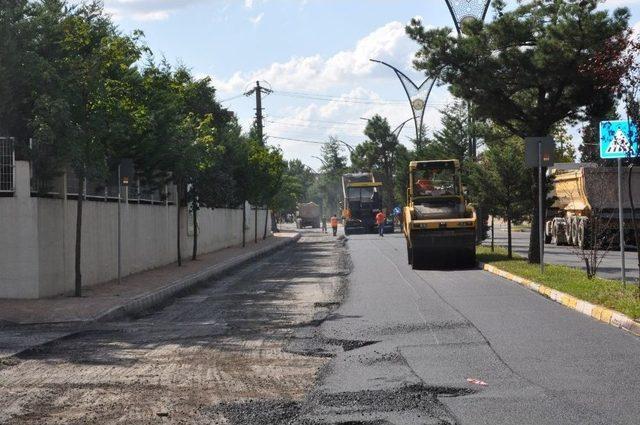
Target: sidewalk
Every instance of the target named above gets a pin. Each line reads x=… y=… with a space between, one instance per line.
x=137 y=292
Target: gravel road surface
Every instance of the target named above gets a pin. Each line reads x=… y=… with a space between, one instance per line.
x=222 y=343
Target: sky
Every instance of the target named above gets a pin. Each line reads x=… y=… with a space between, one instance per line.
x=313 y=54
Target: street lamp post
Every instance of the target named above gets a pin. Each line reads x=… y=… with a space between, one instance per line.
x=418 y=95
x=461 y=12
x=349 y=147
x=321 y=160
x=465 y=10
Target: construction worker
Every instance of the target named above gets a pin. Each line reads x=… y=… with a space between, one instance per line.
x=334 y=224
x=380 y=219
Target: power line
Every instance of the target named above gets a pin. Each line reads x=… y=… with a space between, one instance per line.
x=308 y=125
x=315 y=142
x=359 y=124
x=232 y=98
x=328 y=98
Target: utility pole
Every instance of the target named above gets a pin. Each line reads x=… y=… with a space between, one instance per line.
x=259 y=90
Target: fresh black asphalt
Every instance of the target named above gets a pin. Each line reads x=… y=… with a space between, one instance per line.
x=429 y=331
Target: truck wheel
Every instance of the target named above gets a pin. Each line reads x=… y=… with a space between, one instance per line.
x=560 y=229
x=547 y=238
x=574 y=231
x=569 y=232
x=583 y=236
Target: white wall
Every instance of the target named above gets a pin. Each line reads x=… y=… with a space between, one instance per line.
x=37 y=239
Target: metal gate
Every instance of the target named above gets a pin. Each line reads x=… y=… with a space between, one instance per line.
x=7 y=166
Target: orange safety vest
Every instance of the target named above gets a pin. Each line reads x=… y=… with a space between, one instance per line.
x=380 y=218
x=334 y=222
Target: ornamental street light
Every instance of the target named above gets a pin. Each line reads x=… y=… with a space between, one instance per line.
x=465 y=10
x=349 y=147
x=398 y=129
x=418 y=95
x=324 y=163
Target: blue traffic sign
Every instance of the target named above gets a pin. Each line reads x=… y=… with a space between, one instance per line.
x=618 y=139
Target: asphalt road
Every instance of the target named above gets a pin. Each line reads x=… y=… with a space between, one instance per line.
x=610 y=267
x=429 y=331
x=335 y=332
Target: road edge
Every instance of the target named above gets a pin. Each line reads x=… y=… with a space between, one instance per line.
x=602 y=314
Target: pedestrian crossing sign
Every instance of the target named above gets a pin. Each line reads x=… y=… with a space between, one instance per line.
x=618 y=139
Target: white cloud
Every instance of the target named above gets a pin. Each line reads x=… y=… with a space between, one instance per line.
x=621 y=3
x=355 y=86
x=248 y=4
x=388 y=43
x=144 y=10
x=255 y=20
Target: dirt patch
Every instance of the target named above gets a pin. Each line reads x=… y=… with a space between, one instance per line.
x=172 y=365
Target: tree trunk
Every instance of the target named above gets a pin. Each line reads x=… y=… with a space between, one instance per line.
x=195 y=230
x=509 y=246
x=179 y=197
x=244 y=223
x=493 y=247
x=266 y=220
x=534 y=238
x=78 y=265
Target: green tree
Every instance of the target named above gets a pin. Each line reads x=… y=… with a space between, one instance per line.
x=330 y=181
x=307 y=178
x=16 y=52
x=524 y=70
x=501 y=183
x=452 y=140
x=77 y=114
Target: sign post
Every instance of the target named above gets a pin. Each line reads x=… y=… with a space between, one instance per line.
x=539 y=152
x=621 y=223
x=619 y=140
x=125 y=171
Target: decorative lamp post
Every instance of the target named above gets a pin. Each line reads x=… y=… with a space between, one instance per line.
x=418 y=96
x=461 y=12
x=465 y=10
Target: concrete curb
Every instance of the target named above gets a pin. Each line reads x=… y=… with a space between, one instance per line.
x=150 y=300
x=597 y=312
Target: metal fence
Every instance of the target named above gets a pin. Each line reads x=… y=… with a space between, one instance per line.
x=7 y=166
x=135 y=193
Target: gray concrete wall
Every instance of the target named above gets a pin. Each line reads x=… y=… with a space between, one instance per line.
x=19 y=266
x=37 y=244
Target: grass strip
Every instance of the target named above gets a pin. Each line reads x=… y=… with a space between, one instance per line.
x=572 y=281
